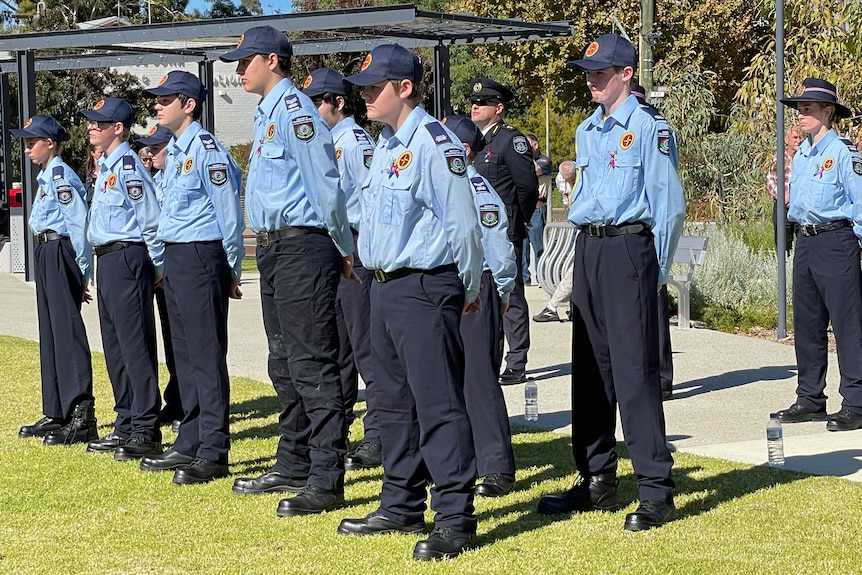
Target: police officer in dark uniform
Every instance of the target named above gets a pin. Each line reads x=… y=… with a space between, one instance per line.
x=664 y=345
x=629 y=208
x=507 y=162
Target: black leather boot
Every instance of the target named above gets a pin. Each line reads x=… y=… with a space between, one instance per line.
x=80 y=429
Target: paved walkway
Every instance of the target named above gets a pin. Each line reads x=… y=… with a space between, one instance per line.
x=725 y=385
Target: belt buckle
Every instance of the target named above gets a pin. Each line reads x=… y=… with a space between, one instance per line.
x=42 y=237
x=263 y=239
x=597 y=231
x=380 y=275
x=811 y=230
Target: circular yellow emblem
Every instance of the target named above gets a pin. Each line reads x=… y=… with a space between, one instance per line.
x=307 y=82
x=338 y=152
x=27 y=123
x=592 y=49
x=404 y=160
x=241 y=38
x=99 y=104
x=477 y=87
x=153 y=130
x=187 y=167
x=800 y=90
x=366 y=63
x=828 y=163
x=270 y=131
x=163 y=80
x=112 y=180
x=627 y=140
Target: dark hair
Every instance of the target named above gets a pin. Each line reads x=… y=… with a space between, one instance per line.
x=199 y=109
x=332 y=99
x=284 y=65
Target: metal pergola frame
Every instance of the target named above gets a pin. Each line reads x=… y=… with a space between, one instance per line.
x=322 y=32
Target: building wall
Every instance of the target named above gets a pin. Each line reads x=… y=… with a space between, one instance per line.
x=234 y=107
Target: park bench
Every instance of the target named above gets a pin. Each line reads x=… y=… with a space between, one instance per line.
x=559 y=256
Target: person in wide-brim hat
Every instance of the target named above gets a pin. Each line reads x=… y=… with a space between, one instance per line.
x=816 y=90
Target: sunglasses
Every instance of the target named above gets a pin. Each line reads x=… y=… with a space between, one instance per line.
x=483 y=102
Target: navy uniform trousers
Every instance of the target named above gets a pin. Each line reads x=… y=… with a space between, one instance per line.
x=827 y=284
x=664 y=346
x=127 y=319
x=419 y=370
x=615 y=360
x=64 y=353
x=172 y=408
x=482 y=334
x=299 y=278
x=516 y=322
x=197 y=281
x=353 y=312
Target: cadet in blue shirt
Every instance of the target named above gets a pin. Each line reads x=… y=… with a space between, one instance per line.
x=482 y=332
x=826 y=202
x=201 y=225
x=421 y=237
x=629 y=207
x=304 y=241
x=63 y=266
x=123 y=221
x=354 y=148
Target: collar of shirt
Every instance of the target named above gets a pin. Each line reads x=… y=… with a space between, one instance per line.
x=809 y=150
x=45 y=174
x=620 y=116
x=342 y=126
x=407 y=130
x=487 y=132
x=110 y=161
x=184 y=142
x=268 y=103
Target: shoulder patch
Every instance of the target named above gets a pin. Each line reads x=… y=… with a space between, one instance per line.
x=218 y=174
x=291 y=102
x=135 y=189
x=857 y=165
x=129 y=162
x=303 y=128
x=479 y=185
x=663 y=141
x=64 y=194
x=438 y=133
x=209 y=142
x=456 y=161
x=57 y=173
x=520 y=144
x=361 y=136
x=367 y=156
x=655 y=114
x=489 y=215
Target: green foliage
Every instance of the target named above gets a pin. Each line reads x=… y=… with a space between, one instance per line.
x=563 y=122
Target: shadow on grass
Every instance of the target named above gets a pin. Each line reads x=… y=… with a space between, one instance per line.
x=732 y=379
x=715 y=489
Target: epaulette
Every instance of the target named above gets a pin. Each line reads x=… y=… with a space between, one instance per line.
x=438 y=133
x=656 y=115
x=209 y=142
x=850 y=146
x=57 y=173
x=361 y=136
x=479 y=185
x=129 y=162
x=508 y=127
x=291 y=102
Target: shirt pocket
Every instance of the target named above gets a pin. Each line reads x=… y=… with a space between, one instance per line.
x=189 y=190
x=272 y=167
x=394 y=201
x=625 y=176
x=115 y=215
x=828 y=190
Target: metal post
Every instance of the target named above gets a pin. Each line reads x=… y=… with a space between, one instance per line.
x=780 y=239
x=6 y=147
x=205 y=71
x=442 y=82
x=27 y=108
x=645 y=43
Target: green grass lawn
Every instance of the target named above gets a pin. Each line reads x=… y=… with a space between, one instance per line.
x=64 y=511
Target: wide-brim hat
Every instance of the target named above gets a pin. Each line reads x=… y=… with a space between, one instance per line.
x=816 y=90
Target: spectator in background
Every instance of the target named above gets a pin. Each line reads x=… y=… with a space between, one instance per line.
x=91 y=170
x=536 y=227
x=563 y=294
x=792 y=139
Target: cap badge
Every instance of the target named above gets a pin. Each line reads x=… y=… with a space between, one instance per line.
x=591 y=50
x=153 y=130
x=239 y=42
x=99 y=104
x=477 y=87
x=800 y=90
x=366 y=63
x=307 y=82
x=163 y=80
x=27 y=123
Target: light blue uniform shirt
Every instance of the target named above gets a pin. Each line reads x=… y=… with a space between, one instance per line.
x=417 y=207
x=826 y=183
x=125 y=208
x=626 y=174
x=499 y=251
x=353 y=150
x=292 y=174
x=60 y=205
x=200 y=198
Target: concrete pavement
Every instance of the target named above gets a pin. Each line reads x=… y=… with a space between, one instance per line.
x=725 y=385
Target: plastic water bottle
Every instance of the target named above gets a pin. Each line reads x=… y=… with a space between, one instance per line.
x=531 y=401
x=775 y=441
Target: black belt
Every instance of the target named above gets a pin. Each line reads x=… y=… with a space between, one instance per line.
x=50 y=235
x=611 y=231
x=383 y=277
x=114 y=246
x=264 y=239
x=814 y=229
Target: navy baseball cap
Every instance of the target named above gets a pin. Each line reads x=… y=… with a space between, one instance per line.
x=325 y=81
x=259 y=40
x=158 y=135
x=388 y=62
x=42 y=127
x=606 y=51
x=466 y=130
x=816 y=90
x=179 y=82
x=111 y=110
x=486 y=88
